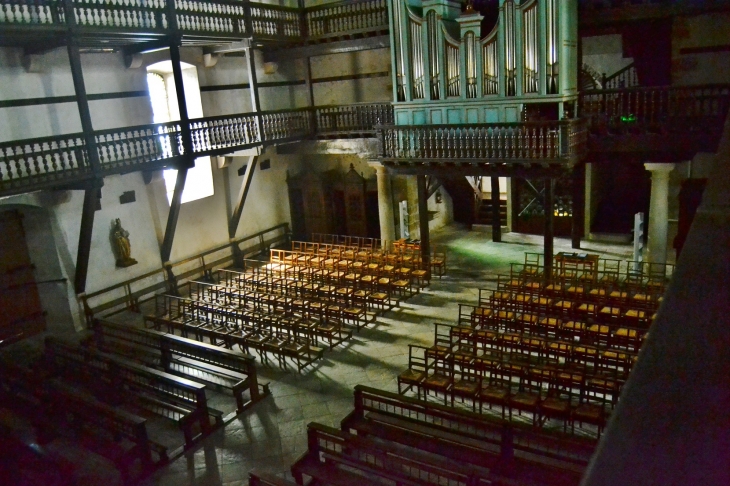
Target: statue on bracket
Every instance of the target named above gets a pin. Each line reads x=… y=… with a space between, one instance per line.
x=121 y=246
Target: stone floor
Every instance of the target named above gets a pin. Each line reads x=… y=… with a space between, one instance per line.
x=272 y=435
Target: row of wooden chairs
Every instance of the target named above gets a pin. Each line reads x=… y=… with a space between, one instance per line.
x=346 y=240
x=336 y=257
x=614 y=311
x=466 y=345
x=629 y=275
x=546 y=391
x=223 y=326
x=486 y=321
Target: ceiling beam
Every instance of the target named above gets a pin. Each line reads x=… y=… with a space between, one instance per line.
x=337 y=47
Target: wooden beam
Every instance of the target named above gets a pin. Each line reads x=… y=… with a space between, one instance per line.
x=433 y=186
x=549 y=203
x=238 y=210
x=423 y=221
x=253 y=82
x=92 y=195
x=327 y=48
x=484 y=170
x=172 y=217
x=187 y=162
x=496 y=219
x=82 y=101
x=308 y=80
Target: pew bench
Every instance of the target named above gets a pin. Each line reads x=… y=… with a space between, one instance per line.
x=113 y=379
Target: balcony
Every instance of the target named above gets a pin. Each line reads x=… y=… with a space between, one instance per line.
x=656 y=123
x=499 y=149
x=63 y=160
x=112 y=23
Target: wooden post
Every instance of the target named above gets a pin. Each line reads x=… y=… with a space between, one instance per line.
x=496 y=219
x=238 y=211
x=91 y=198
x=188 y=159
x=423 y=221
x=548 y=242
x=92 y=193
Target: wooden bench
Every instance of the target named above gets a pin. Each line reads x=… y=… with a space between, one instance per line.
x=339 y=458
x=256 y=478
x=215 y=365
x=512 y=447
x=113 y=379
x=54 y=407
x=200 y=361
x=110 y=427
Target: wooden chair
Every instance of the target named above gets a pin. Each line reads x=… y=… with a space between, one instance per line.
x=438 y=263
x=415 y=374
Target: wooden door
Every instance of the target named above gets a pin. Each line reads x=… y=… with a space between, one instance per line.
x=22 y=314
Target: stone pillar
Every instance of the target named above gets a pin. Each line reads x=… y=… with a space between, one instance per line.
x=658 y=212
x=385 y=205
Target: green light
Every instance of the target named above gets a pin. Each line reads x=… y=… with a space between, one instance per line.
x=628 y=118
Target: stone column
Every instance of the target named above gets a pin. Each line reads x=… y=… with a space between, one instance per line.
x=658 y=212
x=385 y=205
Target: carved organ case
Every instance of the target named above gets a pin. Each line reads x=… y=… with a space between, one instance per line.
x=457 y=67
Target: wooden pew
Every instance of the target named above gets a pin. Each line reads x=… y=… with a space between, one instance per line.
x=113 y=379
x=256 y=478
x=333 y=456
x=109 y=427
x=53 y=407
x=507 y=447
x=198 y=360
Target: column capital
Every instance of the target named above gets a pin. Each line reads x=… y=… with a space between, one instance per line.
x=658 y=167
x=377 y=165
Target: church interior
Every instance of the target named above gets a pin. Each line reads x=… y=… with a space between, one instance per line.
x=377 y=242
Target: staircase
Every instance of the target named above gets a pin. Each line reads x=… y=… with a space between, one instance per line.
x=484 y=212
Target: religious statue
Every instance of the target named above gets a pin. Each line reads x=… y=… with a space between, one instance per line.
x=120 y=243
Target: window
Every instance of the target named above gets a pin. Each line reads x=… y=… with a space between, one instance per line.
x=161 y=84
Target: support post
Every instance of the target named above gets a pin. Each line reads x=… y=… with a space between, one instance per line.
x=549 y=204
x=308 y=80
x=423 y=221
x=658 y=212
x=496 y=219
x=91 y=199
x=238 y=211
x=92 y=193
x=254 y=90
x=188 y=159
x=385 y=206
x=579 y=192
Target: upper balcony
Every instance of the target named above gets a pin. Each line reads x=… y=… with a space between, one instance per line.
x=63 y=161
x=114 y=23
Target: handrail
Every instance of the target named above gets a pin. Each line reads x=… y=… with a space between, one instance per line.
x=627 y=75
x=50 y=161
x=545 y=140
x=658 y=109
x=210 y=18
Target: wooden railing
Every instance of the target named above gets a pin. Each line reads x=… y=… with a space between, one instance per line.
x=357 y=118
x=623 y=78
x=661 y=109
x=351 y=17
x=518 y=142
x=42 y=160
x=210 y=18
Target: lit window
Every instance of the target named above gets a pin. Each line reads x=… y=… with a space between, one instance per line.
x=199 y=181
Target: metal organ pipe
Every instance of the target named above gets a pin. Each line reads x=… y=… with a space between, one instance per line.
x=432 y=33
